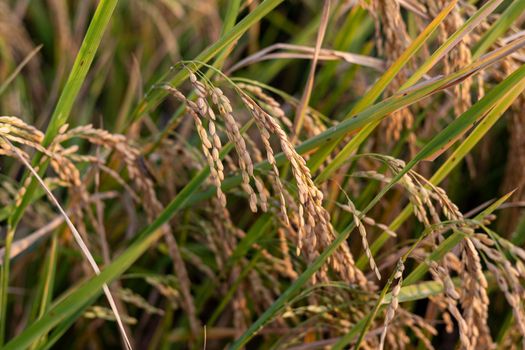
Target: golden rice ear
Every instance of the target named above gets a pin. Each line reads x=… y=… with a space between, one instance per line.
x=78 y=239
x=315 y=231
x=392 y=40
x=394 y=302
x=350 y=208
x=211 y=143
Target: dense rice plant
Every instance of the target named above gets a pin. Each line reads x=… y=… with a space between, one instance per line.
x=262 y=174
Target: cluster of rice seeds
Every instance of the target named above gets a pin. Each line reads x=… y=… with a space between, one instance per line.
x=507 y=275
x=134 y=163
x=439 y=301
x=474 y=298
x=459 y=57
x=262 y=191
x=452 y=296
x=268 y=103
x=312 y=126
x=289 y=217
x=130 y=156
x=128 y=296
x=418 y=325
x=276 y=265
x=61 y=159
x=275 y=178
x=418 y=195
x=103 y=313
x=350 y=208
x=282 y=266
x=116 y=176
x=62 y=163
x=394 y=303
x=16 y=130
x=167 y=286
x=229 y=232
x=513 y=293
x=222 y=242
x=288 y=228
x=518 y=253
x=315 y=231
x=245 y=163
x=389 y=21
x=224 y=106
x=369 y=221
x=23 y=189
x=210 y=148
x=308 y=194
x=421 y=193
x=203 y=108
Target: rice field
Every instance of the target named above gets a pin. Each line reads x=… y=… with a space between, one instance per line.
x=262 y=174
